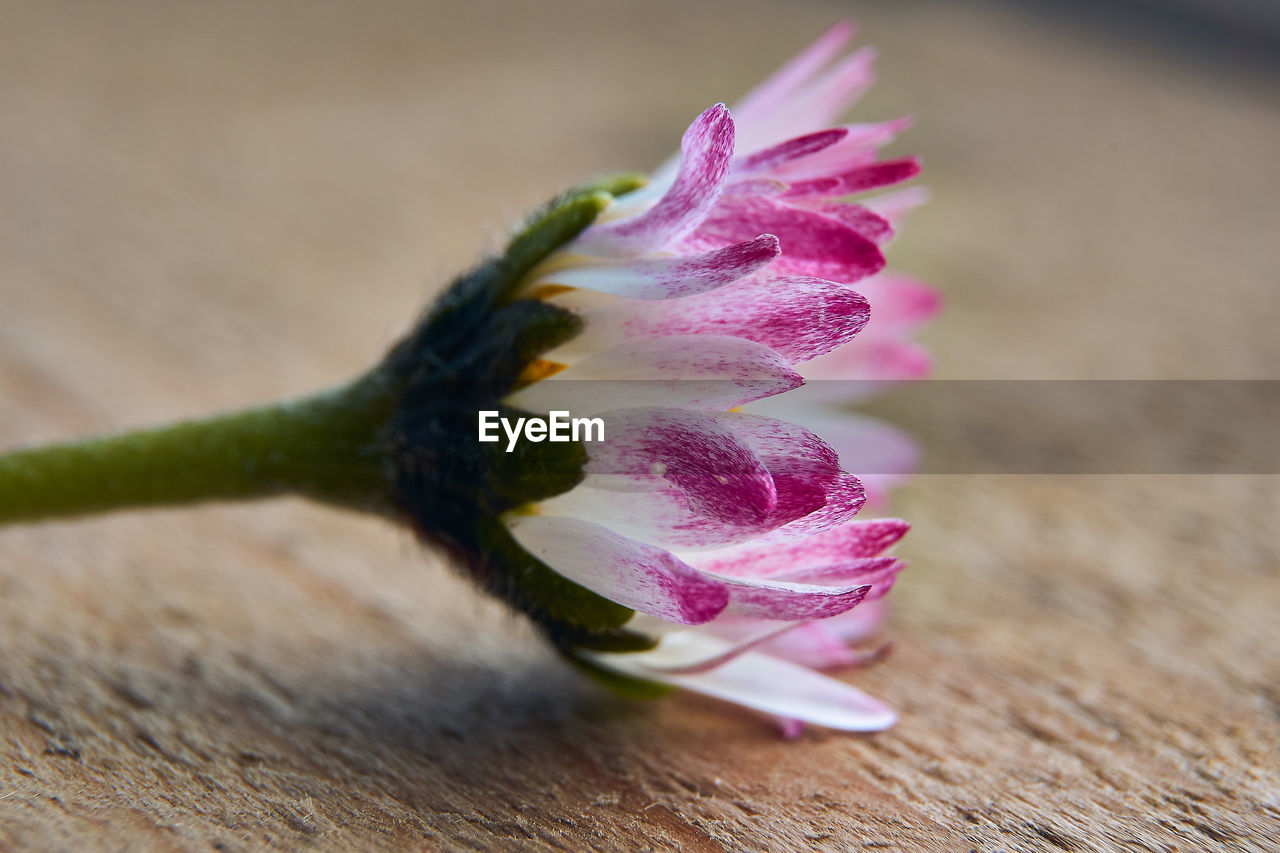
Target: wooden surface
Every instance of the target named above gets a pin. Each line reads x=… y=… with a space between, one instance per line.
x=208 y=205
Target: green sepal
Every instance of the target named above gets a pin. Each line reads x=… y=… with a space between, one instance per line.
x=623 y=685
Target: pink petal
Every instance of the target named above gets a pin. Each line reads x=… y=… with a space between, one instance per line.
x=774 y=156
x=858 y=148
x=798 y=317
x=707 y=150
x=812 y=244
x=862 y=219
x=815 y=106
x=861 y=179
x=709 y=372
x=783 y=84
x=845 y=496
x=655 y=449
x=770 y=685
x=665 y=278
x=631 y=573
x=853 y=541
x=789 y=600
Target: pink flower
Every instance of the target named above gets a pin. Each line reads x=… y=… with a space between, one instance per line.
x=718 y=285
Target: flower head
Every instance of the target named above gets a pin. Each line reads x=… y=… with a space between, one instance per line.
x=664 y=309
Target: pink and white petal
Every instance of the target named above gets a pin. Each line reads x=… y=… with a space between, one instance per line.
x=845 y=497
x=805 y=469
x=788 y=600
x=861 y=179
x=876 y=574
x=799 y=317
x=771 y=685
x=757 y=107
x=707 y=372
x=669 y=277
x=662 y=448
x=812 y=244
x=862 y=219
x=768 y=159
x=631 y=573
x=857 y=148
x=817 y=105
x=664 y=517
x=707 y=149
x=857 y=540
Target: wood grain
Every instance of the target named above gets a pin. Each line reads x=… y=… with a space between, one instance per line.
x=208 y=205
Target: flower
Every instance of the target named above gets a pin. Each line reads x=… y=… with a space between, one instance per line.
x=670 y=312
x=705 y=291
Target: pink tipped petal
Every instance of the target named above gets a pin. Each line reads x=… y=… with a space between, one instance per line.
x=860 y=570
x=858 y=148
x=707 y=149
x=798 y=317
x=857 y=540
x=770 y=685
x=707 y=372
x=665 y=517
x=795 y=148
x=845 y=496
x=719 y=473
x=770 y=95
x=631 y=573
x=837 y=90
x=862 y=219
x=665 y=278
x=812 y=244
x=869 y=177
x=787 y=600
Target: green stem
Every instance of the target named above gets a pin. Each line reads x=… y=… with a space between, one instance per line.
x=324 y=447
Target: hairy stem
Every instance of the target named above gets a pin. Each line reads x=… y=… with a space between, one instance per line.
x=324 y=447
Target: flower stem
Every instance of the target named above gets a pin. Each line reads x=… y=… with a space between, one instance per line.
x=325 y=447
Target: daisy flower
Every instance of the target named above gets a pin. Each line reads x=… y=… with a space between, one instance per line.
x=698 y=539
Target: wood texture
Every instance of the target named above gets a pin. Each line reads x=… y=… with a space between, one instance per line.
x=208 y=205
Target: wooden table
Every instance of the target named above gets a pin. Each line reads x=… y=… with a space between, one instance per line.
x=209 y=205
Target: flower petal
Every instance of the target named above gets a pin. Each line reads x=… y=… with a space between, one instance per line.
x=856 y=540
x=799 y=317
x=767 y=684
x=788 y=600
x=631 y=573
x=665 y=278
x=760 y=102
x=812 y=244
x=861 y=179
x=657 y=448
x=767 y=159
x=707 y=150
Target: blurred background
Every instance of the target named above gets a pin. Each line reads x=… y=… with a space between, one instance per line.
x=209 y=205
